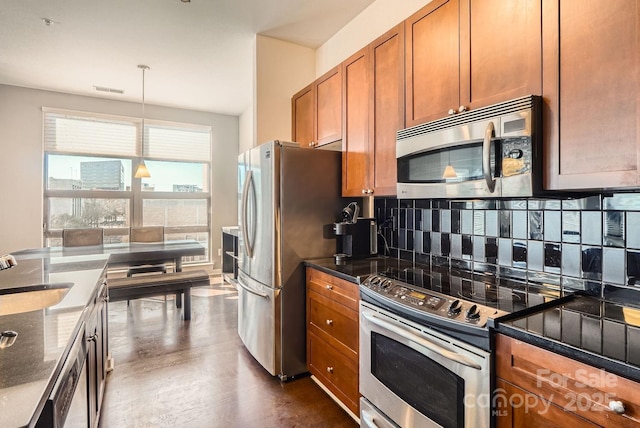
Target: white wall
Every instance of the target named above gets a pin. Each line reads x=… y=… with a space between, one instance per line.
x=374 y=21
x=21 y=166
x=282 y=69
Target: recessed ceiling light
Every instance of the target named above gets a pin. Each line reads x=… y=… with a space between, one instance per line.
x=48 y=22
x=111 y=90
x=185 y=1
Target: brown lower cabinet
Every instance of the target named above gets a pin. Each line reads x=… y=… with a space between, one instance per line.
x=332 y=336
x=539 y=388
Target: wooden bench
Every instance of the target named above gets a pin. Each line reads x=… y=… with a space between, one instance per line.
x=152 y=285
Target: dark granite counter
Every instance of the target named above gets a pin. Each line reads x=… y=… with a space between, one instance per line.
x=601 y=332
x=356 y=270
x=29 y=367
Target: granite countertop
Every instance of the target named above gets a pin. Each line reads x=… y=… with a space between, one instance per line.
x=603 y=332
x=29 y=368
x=356 y=270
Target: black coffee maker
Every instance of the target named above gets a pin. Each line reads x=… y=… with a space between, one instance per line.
x=356 y=236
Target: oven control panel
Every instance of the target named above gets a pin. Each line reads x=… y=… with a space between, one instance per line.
x=456 y=309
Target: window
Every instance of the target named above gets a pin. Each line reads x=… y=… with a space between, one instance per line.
x=89 y=162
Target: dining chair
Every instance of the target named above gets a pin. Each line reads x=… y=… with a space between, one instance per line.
x=147 y=234
x=82 y=237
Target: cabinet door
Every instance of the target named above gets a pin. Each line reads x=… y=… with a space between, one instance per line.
x=432 y=62
x=303 y=116
x=387 y=108
x=500 y=50
x=355 y=157
x=591 y=81
x=328 y=107
x=517 y=408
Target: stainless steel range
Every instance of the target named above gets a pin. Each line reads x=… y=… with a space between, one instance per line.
x=425 y=355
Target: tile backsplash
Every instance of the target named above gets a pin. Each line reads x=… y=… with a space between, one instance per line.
x=584 y=243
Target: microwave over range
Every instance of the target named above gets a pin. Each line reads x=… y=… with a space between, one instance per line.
x=490 y=152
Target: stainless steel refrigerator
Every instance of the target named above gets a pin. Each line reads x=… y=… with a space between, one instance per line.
x=287 y=197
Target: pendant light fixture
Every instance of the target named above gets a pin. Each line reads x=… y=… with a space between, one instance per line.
x=449 y=171
x=142 y=171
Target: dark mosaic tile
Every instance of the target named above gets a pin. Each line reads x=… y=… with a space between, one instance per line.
x=505 y=223
x=613 y=233
x=406 y=255
x=455 y=221
x=410 y=219
x=591 y=227
x=405 y=203
x=519 y=253
x=442 y=204
x=418 y=219
x=613 y=334
x=633 y=268
x=462 y=205
x=402 y=239
x=422 y=258
x=402 y=221
x=491 y=250
x=445 y=244
x=422 y=203
x=552 y=258
x=535 y=225
x=571 y=226
x=426 y=242
x=592 y=263
x=435 y=220
x=461 y=264
x=467 y=245
x=552 y=226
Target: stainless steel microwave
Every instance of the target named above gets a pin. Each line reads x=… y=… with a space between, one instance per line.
x=490 y=152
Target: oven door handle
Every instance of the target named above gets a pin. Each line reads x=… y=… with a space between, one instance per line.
x=486 y=157
x=401 y=331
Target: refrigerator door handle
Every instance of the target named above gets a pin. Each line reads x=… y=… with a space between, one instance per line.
x=252 y=291
x=245 y=229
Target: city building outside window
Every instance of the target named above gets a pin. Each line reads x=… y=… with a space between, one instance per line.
x=89 y=165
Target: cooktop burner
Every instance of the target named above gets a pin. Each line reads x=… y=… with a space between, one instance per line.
x=457 y=301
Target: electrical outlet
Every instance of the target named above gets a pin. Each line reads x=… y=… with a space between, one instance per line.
x=219 y=252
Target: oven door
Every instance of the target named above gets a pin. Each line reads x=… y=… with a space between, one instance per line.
x=421 y=378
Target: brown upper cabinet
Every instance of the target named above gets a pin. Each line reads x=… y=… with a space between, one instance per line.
x=464 y=54
x=373 y=111
x=591 y=88
x=317 y=111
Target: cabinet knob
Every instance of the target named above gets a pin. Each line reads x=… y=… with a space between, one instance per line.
x=617 y=407
x=329 y=287
x=312 y=144
x=364 y=191
x=329 y=322
x=329 y=369
x=452 y=111
x=462 y=109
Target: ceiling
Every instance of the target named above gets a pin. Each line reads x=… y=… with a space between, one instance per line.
x=200 y=53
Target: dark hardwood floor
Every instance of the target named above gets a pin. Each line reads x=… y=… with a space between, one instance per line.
x=198 y=374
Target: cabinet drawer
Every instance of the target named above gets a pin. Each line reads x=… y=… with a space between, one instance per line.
x=337 y=371
x=345 y=292
x=334 y=319
x=576 y=387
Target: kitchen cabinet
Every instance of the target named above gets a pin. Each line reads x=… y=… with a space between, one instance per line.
x=332 y=336
x=464 y=54
x=591 y=85
x=96 y=335
x=536 y=387
x=317 y=111
x=373 y=111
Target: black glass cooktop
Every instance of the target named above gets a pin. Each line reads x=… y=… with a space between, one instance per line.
x=505 y=294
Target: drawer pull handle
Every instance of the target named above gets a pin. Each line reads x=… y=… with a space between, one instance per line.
x=617 y=407
x=329 y=369
x=329 y=287
x=329 y=322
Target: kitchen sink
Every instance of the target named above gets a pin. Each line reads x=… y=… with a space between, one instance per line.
x=32 y=298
